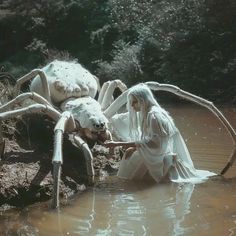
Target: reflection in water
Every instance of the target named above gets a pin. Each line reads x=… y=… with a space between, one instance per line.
x=182 y=208
x=131 y=209
x=121 y=208
x=85 y=224
x=118 y=207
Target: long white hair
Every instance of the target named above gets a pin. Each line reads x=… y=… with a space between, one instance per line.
x=138 y=120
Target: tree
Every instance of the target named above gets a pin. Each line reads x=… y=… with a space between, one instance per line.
x=182 y=42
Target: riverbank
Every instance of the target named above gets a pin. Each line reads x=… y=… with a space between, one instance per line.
x=26 y=166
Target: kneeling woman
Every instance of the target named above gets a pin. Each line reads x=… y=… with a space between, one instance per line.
x=156 y=144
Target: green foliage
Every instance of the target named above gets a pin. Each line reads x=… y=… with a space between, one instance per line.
x=40 y=27
x=124 y=66
x=188 y=43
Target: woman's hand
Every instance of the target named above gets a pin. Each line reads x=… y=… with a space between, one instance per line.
x=129 y=152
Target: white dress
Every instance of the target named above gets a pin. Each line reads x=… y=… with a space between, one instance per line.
x=162 y=152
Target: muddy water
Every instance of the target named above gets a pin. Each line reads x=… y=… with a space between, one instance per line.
x=117 y=207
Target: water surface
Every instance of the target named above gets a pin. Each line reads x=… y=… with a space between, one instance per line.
x=118 y=207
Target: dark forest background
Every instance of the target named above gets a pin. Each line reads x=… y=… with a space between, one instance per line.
x=188 y=43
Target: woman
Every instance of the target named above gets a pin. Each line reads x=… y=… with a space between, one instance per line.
x=156 y=145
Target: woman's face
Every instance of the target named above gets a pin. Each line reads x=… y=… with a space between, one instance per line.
x=135 y=103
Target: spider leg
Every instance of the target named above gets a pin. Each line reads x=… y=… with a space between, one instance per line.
x=4 y=114
x=202 y=102
x=35 y=108
x=116 y=105
x=102 y=92
x=21 y=98
x=64 y=121
x=57 y=160
x=88 y=156
x=30 y=76
x=106 y=95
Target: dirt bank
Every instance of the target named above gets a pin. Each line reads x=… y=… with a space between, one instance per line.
x=26 y=167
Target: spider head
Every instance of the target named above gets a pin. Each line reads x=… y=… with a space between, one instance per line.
x=88 y=114
x=93 y=122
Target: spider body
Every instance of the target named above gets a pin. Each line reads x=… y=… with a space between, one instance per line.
x=65 y=91
x=73 y=88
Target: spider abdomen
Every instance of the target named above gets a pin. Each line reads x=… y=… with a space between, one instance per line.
x=65 y=80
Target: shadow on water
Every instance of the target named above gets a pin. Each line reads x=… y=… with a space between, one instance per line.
x=118 y=207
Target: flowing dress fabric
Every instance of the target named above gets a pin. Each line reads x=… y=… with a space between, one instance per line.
x=162 y=152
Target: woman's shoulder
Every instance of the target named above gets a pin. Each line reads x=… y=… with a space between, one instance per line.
x=156 y=111
x=160 y=116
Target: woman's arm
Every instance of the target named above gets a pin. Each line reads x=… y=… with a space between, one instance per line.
x=112 y=144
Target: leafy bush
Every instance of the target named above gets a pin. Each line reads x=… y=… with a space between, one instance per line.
x=188 y=43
